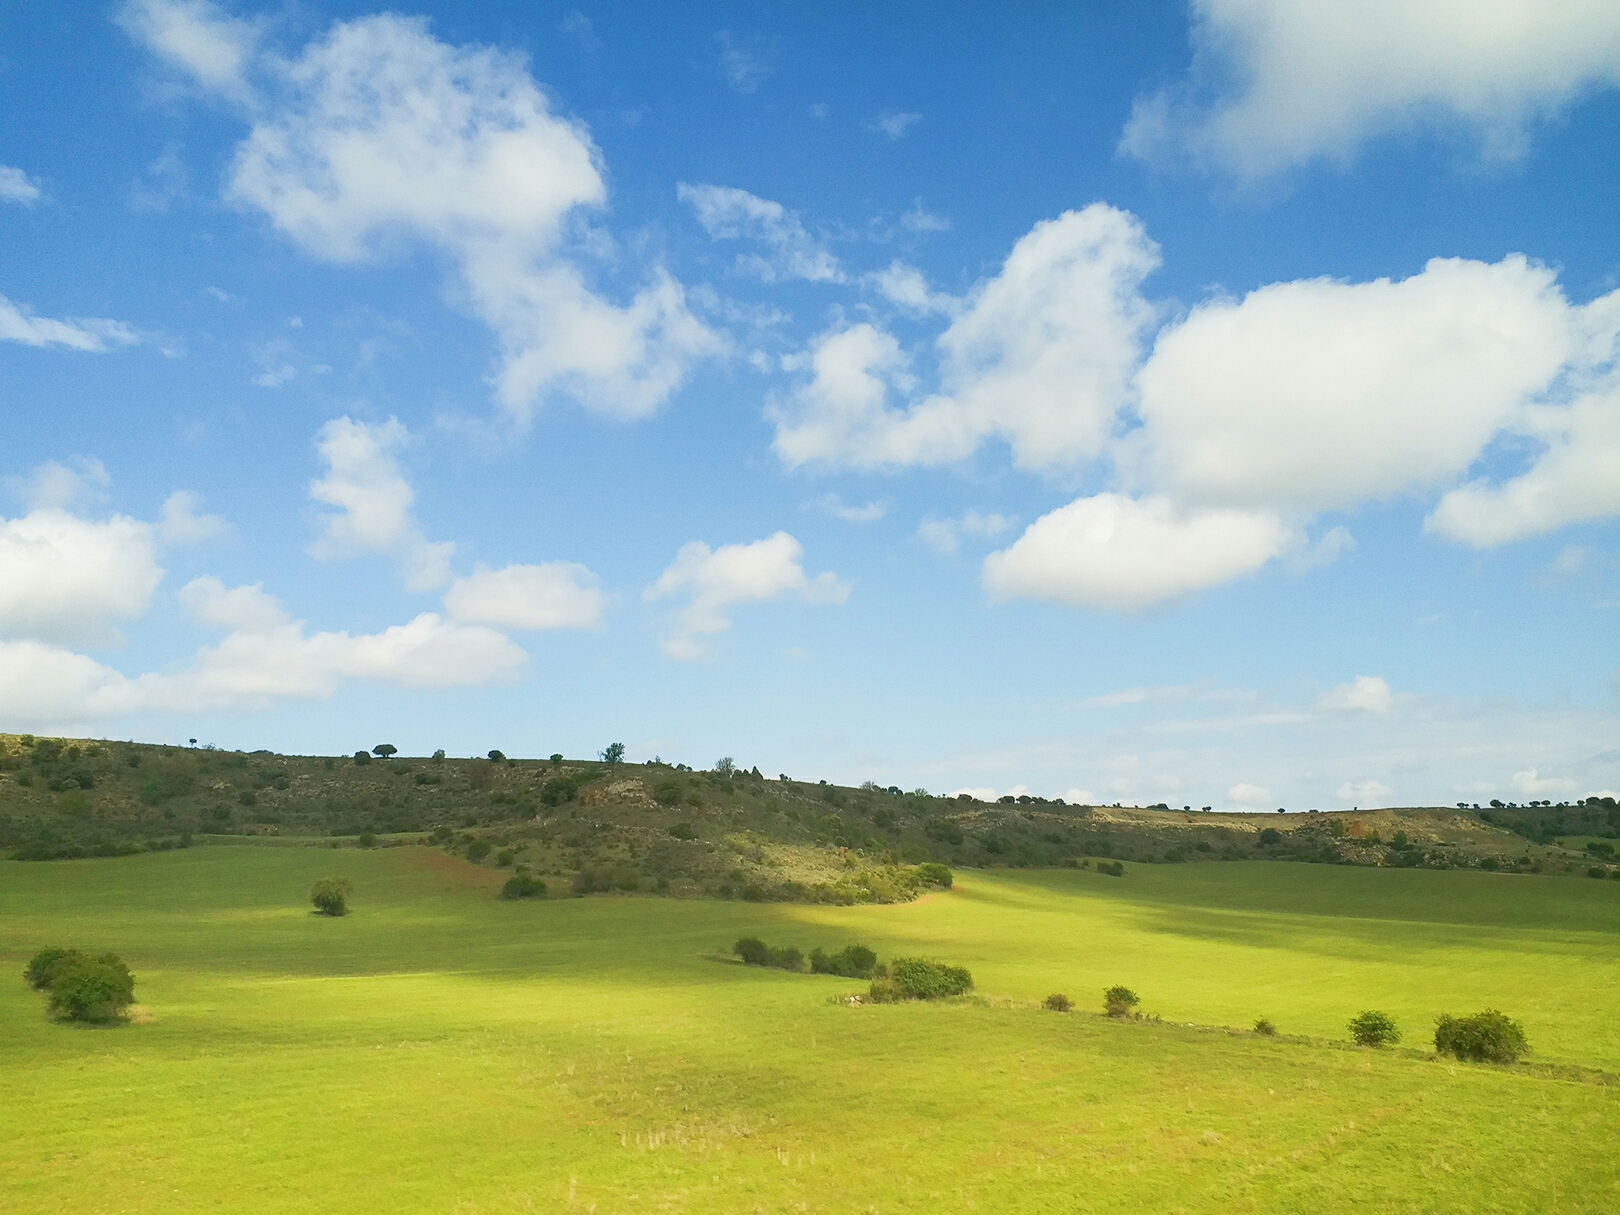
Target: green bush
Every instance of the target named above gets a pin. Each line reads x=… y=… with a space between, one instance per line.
x=367 y=839
x=37 y=973
x=932 y=873
x=851 y=962
x=1058 y=1002
x=1487 y=1037
x=684 y=831
x=754 y=952
x=667 y=793
x=331 y=896
x=1374 y=1029
x=362 y=757
x=477 y=850
x=1119 y=1000
x=1265 y=1028
x=522 y=886
x=90 y=989
x=1111 y=868
x=921 y=979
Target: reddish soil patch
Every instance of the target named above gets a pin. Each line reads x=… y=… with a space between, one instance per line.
x=431 y=860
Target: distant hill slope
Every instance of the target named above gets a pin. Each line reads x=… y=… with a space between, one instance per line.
x=587 y=825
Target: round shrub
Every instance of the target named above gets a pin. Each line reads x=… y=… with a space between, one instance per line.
x=1374 y=1029
x=684 y=831
x=1487 y=1037
x=850 y=962
x=932 y=873
x=331 y=896
x=522 y=886
x=921 y=979
x=1265 y=1028
x=753 y=951
x=37 y=974
x=1119 y=1000
x=1058 y=1002
x=90 y=989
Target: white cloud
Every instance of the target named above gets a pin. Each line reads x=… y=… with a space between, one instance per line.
x=197 y=37
x=1277 y=83
x=944 y=535
x=1116 y=552
x=727 y=213
x=1080 y=797
x=1571 y=559
x=263 y=659
x=905 y=285
x=578 y=25
x=920 y=220
x=1041 y=355
x=379 y=132
x=95 y=335
x=835 y=506
x=69 y=579
x=894 y=123
x=17 y=187
x=181 y=524
x=1363 y=694
x=718 y=579
x=555 y=595
x=1367 y=794
x=364 y=481
x=1245 y=794
x=744 y=65
x=54 y=485
x=1532 y=784
x=1320 y=394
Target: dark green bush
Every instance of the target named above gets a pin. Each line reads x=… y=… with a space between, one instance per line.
x=560 y=789
x=1373 y=1028
x=522 y=886
x=1058 y=1002
x=754 y=952
x=362 y=757
x=331 y=896
x=1111 y=868
x=684 y=831
x=1119 y=1000
x=667 y=792
x=1487 y=1037
x=367 y=839
x=1265 y=1028
x=505 y=857
x=850 y=962
x=932 y=873
x=1270 y=836
x=90 y=989
x=477 y=850
x=921 y=979
x=37 y=973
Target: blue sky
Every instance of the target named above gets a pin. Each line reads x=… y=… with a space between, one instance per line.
x=1216 y=406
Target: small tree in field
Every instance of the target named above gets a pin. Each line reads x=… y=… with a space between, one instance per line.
x=331 y=896
x=1487 y=1037
x=384 y=750
x=91 y=989
x=1058 y=1002
x=614 y=754
x=1374 y=1029
x=1119 y=1000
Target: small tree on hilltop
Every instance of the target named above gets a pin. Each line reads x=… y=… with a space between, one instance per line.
x=384 y=750
x=1374 y=1028
x=614 y=754
x=724 y=766
x=331 y=896
x=1119 y=1000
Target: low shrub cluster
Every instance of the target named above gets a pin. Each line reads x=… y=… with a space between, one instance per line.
x=1265 y=1028
x=1120 y=1001
x=522 y=886
x=1487 y=1037
x=1058 y=1002
x=850 y=962
x=1374 y=1028
x=754 y=952
x=1111 y=868
x=932 y=873
x=331 y=896
x=919 y=979
x=82 y=987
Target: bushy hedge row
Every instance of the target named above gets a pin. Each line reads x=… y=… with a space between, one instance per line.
x=1487 y=1037
x=754 y=952
x=522 y=886
x=919 y=979
x=81 y=987
x=850 y=962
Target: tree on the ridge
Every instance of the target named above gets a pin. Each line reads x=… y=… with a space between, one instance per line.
x=384 y=750
x=614 y=754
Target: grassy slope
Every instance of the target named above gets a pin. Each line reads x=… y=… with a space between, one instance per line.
x=441 y=1051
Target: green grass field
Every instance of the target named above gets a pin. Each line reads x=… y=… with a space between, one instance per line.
x=441 y=1051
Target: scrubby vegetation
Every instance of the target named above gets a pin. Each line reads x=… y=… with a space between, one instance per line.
x=523 y=886
x=754 y=952
x=1265 y=1028
x=919 y=979
x=1487 y=1037
x=1372 y=1028
x=1058 y=1002
x=331 y=896
x=81 y=987
x=1120 y=1001
x=601 y=827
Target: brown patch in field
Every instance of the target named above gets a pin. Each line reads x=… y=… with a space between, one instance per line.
x=138 y=1014
x=432 y=860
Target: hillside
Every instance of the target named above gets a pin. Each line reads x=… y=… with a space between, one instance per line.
x=584 y=825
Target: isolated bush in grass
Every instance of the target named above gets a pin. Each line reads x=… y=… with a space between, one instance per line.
x=1058 y=1002
x=851 y=962
x=754 y=952
x=1119 y=1000
x=1111 y=868
x=1487 y=1037
x=82 y=988
x=1373 y=1028
x=478 y=850
x=522 y=886
x=331 y=896
x=684 y=831
x=921 y=979
x=932 y=873
x=1265 y=1028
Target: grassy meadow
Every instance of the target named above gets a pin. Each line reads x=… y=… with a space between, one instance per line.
x=439 y=1050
